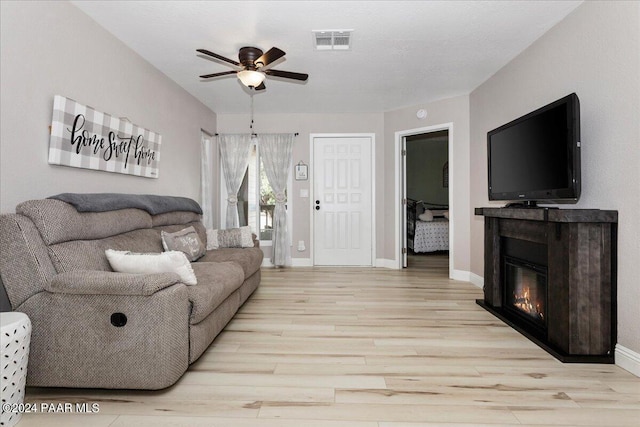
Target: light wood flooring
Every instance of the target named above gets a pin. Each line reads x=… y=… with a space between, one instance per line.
x=366 y=348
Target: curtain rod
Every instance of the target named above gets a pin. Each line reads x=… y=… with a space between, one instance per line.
x=255 y=134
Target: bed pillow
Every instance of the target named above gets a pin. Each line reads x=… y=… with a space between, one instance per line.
x=165 y=262
x=446 y=214
x=231 y=238
x=185 y=240
x=427 y=215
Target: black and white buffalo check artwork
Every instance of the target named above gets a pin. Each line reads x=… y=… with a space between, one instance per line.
x=82 y=137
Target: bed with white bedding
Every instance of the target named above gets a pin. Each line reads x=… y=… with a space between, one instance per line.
x=427 y=236
x=431 y=236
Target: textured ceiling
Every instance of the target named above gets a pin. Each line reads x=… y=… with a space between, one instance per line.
x=403 y=52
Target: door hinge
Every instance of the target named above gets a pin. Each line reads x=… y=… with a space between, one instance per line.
x=404 y=251
x=404 y=152
x=404 y=201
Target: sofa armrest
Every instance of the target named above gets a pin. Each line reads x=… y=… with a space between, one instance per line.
x=95 y=282
x=84 y=335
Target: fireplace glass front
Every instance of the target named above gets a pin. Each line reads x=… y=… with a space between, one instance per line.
x=526 y=290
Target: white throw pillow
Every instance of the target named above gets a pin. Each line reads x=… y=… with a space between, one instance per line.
x=165 y=262
x=446 y=214
x=427 y=215
x=231 y=238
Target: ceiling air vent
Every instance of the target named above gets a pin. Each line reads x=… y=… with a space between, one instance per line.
x=332 y=39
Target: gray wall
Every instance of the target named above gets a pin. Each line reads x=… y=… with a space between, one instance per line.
x=305 y=125
x=454 y=111
x=426 y=156
x=383 y=126
x=52 y=48
x=594 y=52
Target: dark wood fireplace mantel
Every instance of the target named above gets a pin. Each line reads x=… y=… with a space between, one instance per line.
x=581 y=259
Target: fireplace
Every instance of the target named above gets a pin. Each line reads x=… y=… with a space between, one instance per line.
x=525 y=292
x=550 y=274
x=524 y=277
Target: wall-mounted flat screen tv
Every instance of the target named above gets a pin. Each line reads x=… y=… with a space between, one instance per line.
x=536 y=158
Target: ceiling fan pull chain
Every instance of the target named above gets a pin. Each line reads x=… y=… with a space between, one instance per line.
x=251 y=124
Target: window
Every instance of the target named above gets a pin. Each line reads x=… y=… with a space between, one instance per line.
x=256 y=199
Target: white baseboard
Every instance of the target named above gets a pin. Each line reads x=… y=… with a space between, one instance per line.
x=467 y=276
x=461 y=275
x=295 y=262
x=386 y=263
x=477 y=280
x=306 y=262
x=301 y=262
x=628 y=359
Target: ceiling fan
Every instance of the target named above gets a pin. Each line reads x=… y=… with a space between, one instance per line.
x=252 y=66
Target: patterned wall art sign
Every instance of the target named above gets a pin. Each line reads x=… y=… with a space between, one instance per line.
x=82 y=137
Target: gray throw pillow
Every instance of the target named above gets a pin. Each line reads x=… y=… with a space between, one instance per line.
x=185 y=240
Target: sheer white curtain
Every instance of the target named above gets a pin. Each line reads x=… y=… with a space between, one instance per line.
x=275 y=152
x=234 y=152
x=206 y=179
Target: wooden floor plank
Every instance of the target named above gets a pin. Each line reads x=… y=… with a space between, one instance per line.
x=366 y=347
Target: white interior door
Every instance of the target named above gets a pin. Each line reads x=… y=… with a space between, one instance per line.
x=342 y=201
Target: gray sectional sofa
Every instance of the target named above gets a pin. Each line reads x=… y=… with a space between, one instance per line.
x=96 y=328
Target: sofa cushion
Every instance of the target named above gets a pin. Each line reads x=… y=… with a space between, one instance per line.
x=177 y=217
x=250 y=259
x=89 y=254
x=60 y=222
x=216 y=281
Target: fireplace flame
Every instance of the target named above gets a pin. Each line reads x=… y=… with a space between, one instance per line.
x=524 y=302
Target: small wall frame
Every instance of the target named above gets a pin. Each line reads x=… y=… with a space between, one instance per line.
x=302 y=171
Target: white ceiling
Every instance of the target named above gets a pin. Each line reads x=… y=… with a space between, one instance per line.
x=403 y=52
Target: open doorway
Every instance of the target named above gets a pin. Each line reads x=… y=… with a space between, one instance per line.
x=426 y=200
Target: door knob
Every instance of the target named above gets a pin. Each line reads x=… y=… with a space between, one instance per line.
x=317 y=208
x=317 y=202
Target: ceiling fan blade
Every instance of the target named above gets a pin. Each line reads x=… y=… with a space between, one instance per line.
x=272 y=54
x=215 y=55
x=287 y=74
x=224 y=73
x=261 y=86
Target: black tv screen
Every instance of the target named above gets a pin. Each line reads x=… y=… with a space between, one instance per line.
x=537 y=156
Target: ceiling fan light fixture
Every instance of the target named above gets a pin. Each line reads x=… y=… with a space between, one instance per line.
x=250 y=66
x=251 y=78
